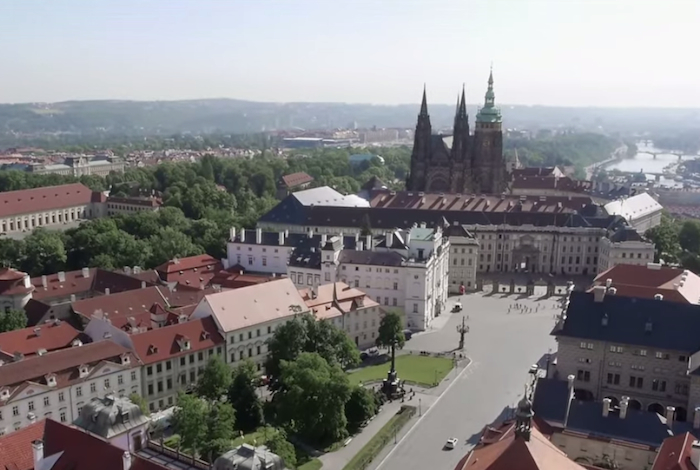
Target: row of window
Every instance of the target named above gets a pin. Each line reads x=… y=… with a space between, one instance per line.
x=40 y=220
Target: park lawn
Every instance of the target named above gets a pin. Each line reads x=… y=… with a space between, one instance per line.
x=313 y=464
x=257 y=437
x=422 y=370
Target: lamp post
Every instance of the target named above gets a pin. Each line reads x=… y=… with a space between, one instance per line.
x=419 y=407
x=462 y=329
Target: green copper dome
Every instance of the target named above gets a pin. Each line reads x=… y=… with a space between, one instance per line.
x=489 y=113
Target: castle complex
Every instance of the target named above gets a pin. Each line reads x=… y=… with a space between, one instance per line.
x=462 y=162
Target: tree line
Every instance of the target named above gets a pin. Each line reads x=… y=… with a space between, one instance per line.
x=677 y=242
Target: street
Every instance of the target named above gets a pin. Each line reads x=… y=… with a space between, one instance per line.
x=502 y=347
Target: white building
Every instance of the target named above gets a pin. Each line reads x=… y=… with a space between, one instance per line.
x=260 y=252
x=405 y=270
x=58 y=384
x=247 y=317
x=347 y=308
x=641 y=211
x=624 y=247
x=464 y=255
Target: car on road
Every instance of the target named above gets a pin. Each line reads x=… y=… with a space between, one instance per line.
x=451 y=443
x=457 y=307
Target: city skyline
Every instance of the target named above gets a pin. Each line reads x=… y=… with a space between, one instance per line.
x=615 y=53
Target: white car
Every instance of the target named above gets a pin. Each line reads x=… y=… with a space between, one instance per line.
x=457 y=307
x=451 y=443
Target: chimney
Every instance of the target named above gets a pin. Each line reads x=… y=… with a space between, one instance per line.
x=360 y=246
x=44 y=282
x=143 y=284
x=670 y=412
x=654 y=266
x=612 y=291
x=126 y=460
x=280 y=240
x=27 y=281
x=658 y=297
x=608 y=283
x=258 y=236
x=86 y=272
x=324 y=239
x=72 y=297
x=368 y=242
x=232 y=234
x=106 y=290
x=571 y=380
x=61 y=276
x=243 y=235
x=624 y=404
x=38 y=453
x=606 y=407
x=389 y=239
x=598 y=293
x=696 y=418
x=408 y=236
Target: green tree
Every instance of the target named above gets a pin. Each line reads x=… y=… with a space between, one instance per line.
x=220 y=422
x=190 y=421
x=169 y=244
x=312 y=401
x=665 y=239
x=306 y=334
x=215 y=380
x=44 y=252
x=137 y=399
x=243 y=396
x=360 y=407
x=390 y=331
x=689 y=236
x=12 y=320
x=279 y=445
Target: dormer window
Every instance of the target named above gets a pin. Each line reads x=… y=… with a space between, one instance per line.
x=51 y=380
x=125 y=417
x=152 y=349
x=4 y=394
x=187 y=344
x=205 y=335
x=83 y=371
x=76 y=343
x=125 y=359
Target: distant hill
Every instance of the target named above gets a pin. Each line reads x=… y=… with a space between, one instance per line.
x=19 y=122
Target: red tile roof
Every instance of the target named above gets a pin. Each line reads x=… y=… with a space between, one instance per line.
x=48 y=336
x=195 y=271
x=183 y=264
x=125 y=304
x=236 y=279
x=184 y=297
x=674 y=453
x=64 y=364
x=75 y=282
x=26 y=201
x=638 y=275
x=84 y=451
x=295 y=179
x=12 y=282
x=16 y=448
x=645 y=282
x=163 y=343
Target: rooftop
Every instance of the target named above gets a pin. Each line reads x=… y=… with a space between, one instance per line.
x=16 y=448
x=124 y=304
x=296 y=179
x=26 y=201
x=32 y=341
x=675 y=284
x=254 y=305
x=372 y=258
x=675 y=453
x=630 y=320
x=63 y=284
x=110 y=416
x=325 y=196
x=175 y=340
x=634 y=207
x=320 y=300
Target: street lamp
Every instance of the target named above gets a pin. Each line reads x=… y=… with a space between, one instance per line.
x=419 y=408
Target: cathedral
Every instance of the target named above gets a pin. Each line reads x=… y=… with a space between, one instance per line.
x=463 y=162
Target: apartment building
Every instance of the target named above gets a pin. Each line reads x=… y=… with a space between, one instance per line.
x=544 y=234
x=347 y=308
x=641 y=348
x=58 y=384
x=129 y=205
x=79 y=165
x=405 y=270
x=247 y=317
x=51 y=206
x=624 y=246
x=674 y=284
x=173 y=357
x=463 y=259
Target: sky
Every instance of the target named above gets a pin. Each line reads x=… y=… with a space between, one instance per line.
x=544 y=52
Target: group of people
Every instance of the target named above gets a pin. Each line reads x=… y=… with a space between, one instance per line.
x=522 y=308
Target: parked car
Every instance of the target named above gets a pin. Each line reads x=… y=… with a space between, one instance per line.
x=407 y=334
x=457 y=307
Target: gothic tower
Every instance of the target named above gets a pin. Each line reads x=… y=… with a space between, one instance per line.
x=489 y=167
x=420 y=156
x=461 y=149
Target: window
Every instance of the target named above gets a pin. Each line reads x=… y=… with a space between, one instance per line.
x=396 y=286
x=327 y=277
x=46 y=401
x=250 y=352
x=120 y=380
x=658 y=385
x=106 y=384
x=150 y=389
x=160 y=386
x=93 y=387
x=636 y=382
x=250 y=334
x=63 y=416
x=258 y=350
x=662 y=355
x=169 y=383
x=61 y=398
x=582 y=345
x=200 y=356
x=682 y=358
x=269 y=330
x=159 y=368
x=264 y=260
x=15 y=410
x=149 y=370
x=250 y=260
x=617 y=349
x=394 y=302
x=357 y=283
x=584 y=375
x=191 y=356
x=415 y=308
x=78 y=391
x=681 y=388
x=30 y=406
x=589 y=346
x=183 y=361
x=614 y=379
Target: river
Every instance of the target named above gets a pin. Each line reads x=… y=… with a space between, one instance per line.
x=646 y=163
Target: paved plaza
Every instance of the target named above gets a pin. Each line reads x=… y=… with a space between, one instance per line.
x=502 y=343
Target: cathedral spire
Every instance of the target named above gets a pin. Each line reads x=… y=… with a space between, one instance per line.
x=463 y=105
x=424 y=104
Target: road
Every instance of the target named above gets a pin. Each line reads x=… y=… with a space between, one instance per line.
x=502 y=347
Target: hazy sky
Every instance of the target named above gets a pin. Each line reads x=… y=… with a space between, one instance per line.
x=552 y=52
